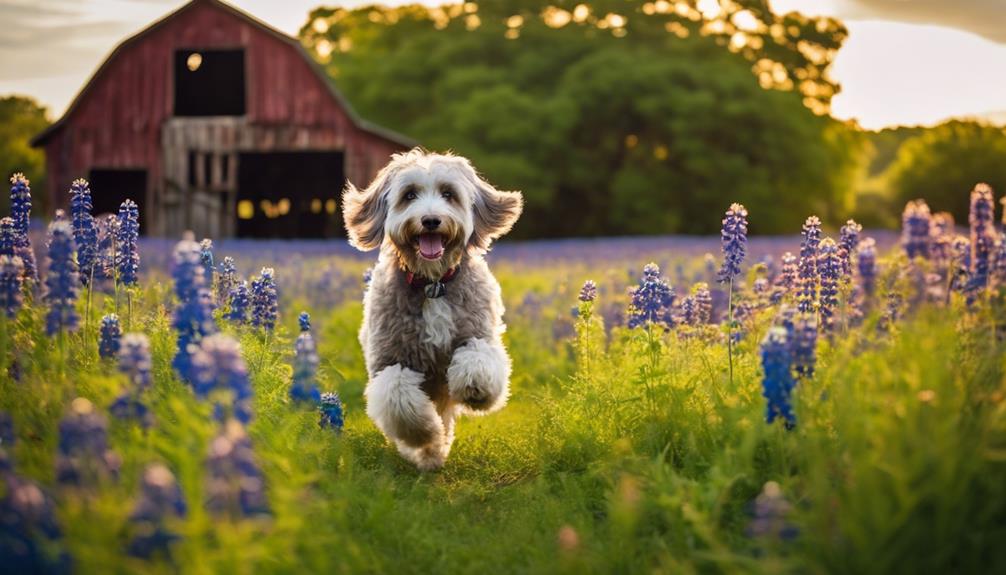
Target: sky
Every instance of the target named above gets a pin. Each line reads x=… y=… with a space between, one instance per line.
x=906 y=62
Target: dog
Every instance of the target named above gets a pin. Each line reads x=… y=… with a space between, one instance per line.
x=432 y=314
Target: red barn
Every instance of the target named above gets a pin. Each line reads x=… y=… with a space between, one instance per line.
x=214 y=122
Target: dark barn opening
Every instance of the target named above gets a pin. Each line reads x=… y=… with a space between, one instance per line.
x=289 y=194
x=209 y=83
x=109 y=188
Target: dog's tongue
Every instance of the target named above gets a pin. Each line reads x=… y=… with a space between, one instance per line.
x=431 y=246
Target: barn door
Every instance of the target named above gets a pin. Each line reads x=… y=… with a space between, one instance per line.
x=289 y=194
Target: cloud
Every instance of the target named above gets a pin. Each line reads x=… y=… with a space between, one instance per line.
x=982 y=17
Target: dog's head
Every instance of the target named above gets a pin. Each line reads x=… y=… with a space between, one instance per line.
x=430 y=208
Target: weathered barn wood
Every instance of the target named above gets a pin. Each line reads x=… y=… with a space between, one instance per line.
x=161 y=103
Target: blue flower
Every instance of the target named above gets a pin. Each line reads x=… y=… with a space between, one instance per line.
x=240 y=303
x=304 y=319
x=332 y=416
x=830 y=267
x=960 y=265
x=866 y=265
x=29 y=529
x=160 y=498
x=206 y=257
x=6 y=236
x=588 y=292
x=915 y=229
x=778 y=382
x=84 y=457
x=264 y=300
x=219 y=369
x=62 y=281
x=85 y=235
x=804 y=346
x=11 y=274
x=734 y=236
x=226 y=280
x=892 y=311
x=652 y=300
x=770 y=515
x=20 y=211
x=697 y=307
x=983 y=239
x=236 y=485
x=193 y=316
x=807 y=275
x=305 y=369
x=134 y=359
x=111 y=334
x=848 y=240
x=128 y=256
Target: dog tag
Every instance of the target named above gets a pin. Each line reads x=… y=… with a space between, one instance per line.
x=435 y=289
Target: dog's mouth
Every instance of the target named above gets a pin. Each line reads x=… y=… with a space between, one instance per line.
x=431 y=246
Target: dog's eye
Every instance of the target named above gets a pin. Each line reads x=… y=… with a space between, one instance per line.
x=446 y=194
x=410 y=195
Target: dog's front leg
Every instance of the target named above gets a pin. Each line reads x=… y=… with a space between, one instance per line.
x=406 y=415
x=479 y=375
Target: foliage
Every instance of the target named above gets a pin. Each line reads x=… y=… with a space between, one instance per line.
x=613 y=118
x=21 y=119
x=943 y=163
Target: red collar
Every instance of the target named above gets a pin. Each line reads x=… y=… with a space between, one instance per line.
x=420 y=282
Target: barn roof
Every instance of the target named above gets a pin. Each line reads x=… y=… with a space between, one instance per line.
x=359 y=122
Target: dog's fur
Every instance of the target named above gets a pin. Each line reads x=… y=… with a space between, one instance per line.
x=431 y=359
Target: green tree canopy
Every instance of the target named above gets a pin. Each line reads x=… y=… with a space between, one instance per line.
x=943 y=164
x=613 y=117
x=21 y=118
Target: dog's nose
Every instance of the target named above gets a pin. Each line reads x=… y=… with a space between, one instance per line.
x=431 y=223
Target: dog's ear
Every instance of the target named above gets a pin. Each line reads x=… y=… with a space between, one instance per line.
x=364 y=211
x=495 y=212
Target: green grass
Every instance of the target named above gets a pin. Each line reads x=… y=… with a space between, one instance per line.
x=635 y=447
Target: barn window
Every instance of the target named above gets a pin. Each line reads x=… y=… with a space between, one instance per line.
x=111 y=187
x=209 y=83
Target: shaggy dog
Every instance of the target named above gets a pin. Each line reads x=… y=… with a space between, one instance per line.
x=432 y=315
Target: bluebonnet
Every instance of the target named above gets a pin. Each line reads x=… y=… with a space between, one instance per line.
x=848 y=240
x=743 y=311
x=305 y=369
x=240 y=303
x=652 y=299
x=588 y=292
x=960 y=268
x=866 y=265
x=786 y=281
x=20 y=211
x=915 y=229
x=226 y=280
x=264 y=300
x=688 y=313
x=697 y=307
x=734 y=237
x=84 y=457
x=11 y=274
x=980 y=218
x=85 y=235
x=236 y=485
x=892 y=311
x=999 y=265
x=332 y=416
x=6 y=236
x=777 y=382
x=135 y=363
x=108 y=231
x=769 y=516
x=804 y=346
x=830 y=269
x=128 y=255
x=193 y=316
x=942 y=237
x=304 y=320
x=160 y=498
x=61 y=281
x=206 y=257
x=29 y=529
x=111 y=335
x=807 y=275
x=219 y=369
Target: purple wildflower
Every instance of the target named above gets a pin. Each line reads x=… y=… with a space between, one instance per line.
x=193 y=318
x=20 y=211
x=807 y=275
x=804 y=346
x=332 y=415
x=915 y=235
x=588 y=292
x=226 y=280
x=830 y=267
x=85 y=235
x=111 y=336
x=305 y=369
x=652 y=300
x=206 y=258
x=848 y=241
x=11 y=275
x=160 y=498
x=264 y=300
x=128 y=256
x=7 y=236
x=236 y=485
x=734 y=237
x=240 y=302
x=304 y=319
x=61 y=282
x=981 y=219
x=777 y=382
x=217 y=368
x=770 y=513
x=866 y=265
x=84 y=456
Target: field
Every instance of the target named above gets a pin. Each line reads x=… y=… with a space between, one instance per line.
x=642 y=449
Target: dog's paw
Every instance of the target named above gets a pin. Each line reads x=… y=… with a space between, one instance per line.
x=428 y=458
x=479 y=374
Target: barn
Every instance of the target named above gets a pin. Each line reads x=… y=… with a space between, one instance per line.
x=214 y=122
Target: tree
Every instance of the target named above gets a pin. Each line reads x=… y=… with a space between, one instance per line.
x=21 y=118
x=943 y=164
x=613 y=117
